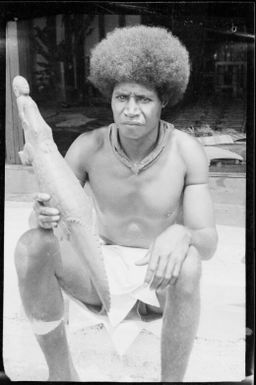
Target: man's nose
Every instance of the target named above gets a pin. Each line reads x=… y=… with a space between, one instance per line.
x=131 y=108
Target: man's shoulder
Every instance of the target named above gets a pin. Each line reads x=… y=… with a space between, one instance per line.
x=194 y=157
x=186 y=143
x=85 y=147
x=92 y=140
x=183 y=137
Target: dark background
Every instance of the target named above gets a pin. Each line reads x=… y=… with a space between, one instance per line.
x=161 y=14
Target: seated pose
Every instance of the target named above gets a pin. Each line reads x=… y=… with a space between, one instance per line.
x=148 y=184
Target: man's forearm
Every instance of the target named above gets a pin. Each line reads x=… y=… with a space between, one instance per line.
x=205 y=240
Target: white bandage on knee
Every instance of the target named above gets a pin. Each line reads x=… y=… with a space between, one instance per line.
x=44 y=327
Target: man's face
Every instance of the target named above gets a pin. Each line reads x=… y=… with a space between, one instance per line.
x=136 y=109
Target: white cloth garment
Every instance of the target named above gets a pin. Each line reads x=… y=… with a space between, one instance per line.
x=126 y=280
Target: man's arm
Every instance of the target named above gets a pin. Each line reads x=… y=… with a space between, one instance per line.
x=77 y=158
x=197 y=229
x=198 y=211
x=198 y=218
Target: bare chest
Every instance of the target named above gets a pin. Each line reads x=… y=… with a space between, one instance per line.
x=154 y=192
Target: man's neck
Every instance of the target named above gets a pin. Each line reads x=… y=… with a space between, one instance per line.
x=138 y=149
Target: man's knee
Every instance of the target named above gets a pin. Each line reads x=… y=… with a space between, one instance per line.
x=189 y=277
x=35 y=249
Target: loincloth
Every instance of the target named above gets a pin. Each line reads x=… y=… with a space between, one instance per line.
x=129 y=298
x=126 y=281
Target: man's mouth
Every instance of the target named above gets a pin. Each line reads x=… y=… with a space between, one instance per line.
x=132 y=123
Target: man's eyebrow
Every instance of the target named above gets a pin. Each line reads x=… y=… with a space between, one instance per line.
x=143 y=95
x=123 y=92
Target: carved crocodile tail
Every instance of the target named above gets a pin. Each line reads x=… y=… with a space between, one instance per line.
x=57 y=179
x=87 y=243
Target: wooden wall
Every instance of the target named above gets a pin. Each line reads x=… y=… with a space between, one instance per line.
x=22 y=60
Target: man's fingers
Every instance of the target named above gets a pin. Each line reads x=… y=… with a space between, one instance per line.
x=48 y=211
x=171 y=274
x=48 y=225
x=49 y=219
x=160 y=272
x=164 y=283
x=48 y=222
x=178 y=259
x=157 y=280
x=39 y=201
x=144 y=260
x=40 y=208
x=152 y=266
x=175 y=273
x=169 y=269
x=45 y=210
x=42 y=197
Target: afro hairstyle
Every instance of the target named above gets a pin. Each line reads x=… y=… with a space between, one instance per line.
x=151 y=56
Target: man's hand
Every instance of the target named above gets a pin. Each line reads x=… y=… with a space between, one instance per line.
x=47 y=217
x=165 y=257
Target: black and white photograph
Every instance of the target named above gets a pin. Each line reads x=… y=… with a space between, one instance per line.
x=128 y=183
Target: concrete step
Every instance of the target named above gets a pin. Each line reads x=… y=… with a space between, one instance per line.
x=219 y=350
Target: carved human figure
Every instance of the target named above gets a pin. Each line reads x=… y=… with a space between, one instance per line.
x=21 y=90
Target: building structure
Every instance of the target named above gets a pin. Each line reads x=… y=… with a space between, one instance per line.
x=52 y=52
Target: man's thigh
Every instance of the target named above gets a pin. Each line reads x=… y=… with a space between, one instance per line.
x=73 y=276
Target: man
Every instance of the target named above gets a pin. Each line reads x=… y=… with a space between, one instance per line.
x=149 y=187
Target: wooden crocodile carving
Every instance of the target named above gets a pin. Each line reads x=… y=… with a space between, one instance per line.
x=56 y=178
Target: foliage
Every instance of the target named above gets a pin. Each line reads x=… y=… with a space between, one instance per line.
x=45 y=45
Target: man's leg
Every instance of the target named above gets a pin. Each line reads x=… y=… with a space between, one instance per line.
x=180 y=319
x=41 y=268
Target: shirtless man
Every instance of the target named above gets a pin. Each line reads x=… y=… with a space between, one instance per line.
x=149 y=184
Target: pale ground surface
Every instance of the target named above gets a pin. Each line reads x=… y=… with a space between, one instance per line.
x=219 y=350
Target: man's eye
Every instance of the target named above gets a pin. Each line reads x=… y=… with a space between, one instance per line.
x=122 y=98
x=145 y=100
